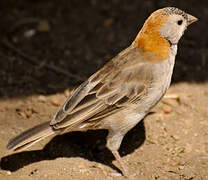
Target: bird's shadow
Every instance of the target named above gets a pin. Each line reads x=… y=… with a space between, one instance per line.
x=88 y=145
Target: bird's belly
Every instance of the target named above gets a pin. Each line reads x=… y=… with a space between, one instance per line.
x=157 y=90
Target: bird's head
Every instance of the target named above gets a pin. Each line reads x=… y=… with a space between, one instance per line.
x=161 y=30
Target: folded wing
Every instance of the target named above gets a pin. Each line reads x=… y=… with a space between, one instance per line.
x=120 y=82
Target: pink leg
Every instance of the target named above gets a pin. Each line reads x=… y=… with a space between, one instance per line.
x=123 y=167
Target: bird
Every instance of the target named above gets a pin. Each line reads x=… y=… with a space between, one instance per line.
x=120 y=94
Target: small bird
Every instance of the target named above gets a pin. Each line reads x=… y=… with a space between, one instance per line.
x=123 y=91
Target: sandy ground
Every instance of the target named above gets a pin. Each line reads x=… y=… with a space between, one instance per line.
x=41 y=38
x=171 y=143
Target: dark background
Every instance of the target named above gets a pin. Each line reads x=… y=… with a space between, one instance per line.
x=81 y=37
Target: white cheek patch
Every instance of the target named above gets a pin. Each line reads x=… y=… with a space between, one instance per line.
x=165 y=30
x=172 y=31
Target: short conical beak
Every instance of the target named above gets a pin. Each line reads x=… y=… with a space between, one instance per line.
x=191 y=19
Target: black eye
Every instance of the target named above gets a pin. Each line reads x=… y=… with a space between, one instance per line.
x=180 y=22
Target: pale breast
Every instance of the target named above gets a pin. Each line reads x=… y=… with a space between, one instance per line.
x=162 y=74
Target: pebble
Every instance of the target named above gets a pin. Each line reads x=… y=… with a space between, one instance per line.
x=67 y=93
x=55 y=102
x=29 y=33
x=166 y=109
x=175 y=137
x=22 y=114
x=116 y=174
x=42 y=99
x=9 y=173
x=5 y=172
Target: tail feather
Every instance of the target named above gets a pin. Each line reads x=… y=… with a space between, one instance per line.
x=31 y=136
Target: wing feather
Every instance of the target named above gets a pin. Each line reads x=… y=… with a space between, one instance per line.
x=118 y=83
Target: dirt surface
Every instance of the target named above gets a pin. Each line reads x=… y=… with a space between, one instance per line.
x=49 y=47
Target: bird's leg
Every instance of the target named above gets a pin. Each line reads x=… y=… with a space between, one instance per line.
x=113 y=144
x=122 y=165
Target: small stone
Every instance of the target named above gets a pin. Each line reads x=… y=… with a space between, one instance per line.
x=33 y=110
x=81 y=166
x=22 y=114
x=5 y=172
x=9 y=173
x=179 y=149
x=171 y=96
x=116 y=174
x=166 y=109
x=67 y=93
x=55 y=102
x=175 y=137
x=28 y=113
x=42 y=99
x=29 y=33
